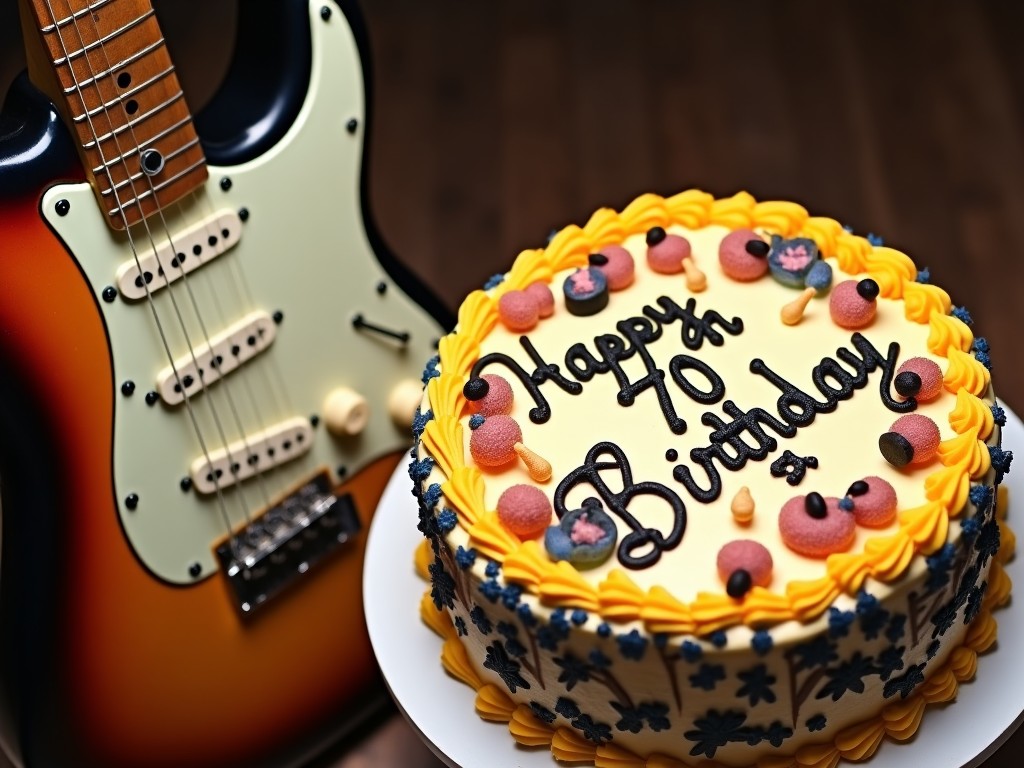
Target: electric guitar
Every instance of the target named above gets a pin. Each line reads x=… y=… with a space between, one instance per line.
x=208 y=366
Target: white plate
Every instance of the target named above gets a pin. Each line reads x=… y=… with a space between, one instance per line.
x=985 y=714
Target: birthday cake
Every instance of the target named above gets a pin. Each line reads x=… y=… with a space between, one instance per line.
x=711 y=482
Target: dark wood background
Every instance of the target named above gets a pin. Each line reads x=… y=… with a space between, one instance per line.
x=496 y=122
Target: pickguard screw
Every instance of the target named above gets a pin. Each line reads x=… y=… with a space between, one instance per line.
x=225 y=183
x=62 y=207
x=194 y=570
x=351 y=125
x=325 y=13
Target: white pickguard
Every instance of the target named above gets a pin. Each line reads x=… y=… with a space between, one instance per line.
x=303 y=251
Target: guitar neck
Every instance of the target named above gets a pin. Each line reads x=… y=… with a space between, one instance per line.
x=105 y=65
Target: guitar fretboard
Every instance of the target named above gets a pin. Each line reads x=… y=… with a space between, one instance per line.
x=121 y=98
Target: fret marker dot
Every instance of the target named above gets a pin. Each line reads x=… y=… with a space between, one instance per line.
x=131 y=106
x=124 y=79
x=152 y=162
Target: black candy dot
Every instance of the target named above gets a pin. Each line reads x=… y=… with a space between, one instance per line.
x=671 y=454
x=896 y=449
x=868 y=289
x=858 y=489
x=597 y=259
x=739 y=583
x=907 y=383
x=758 y=248
x=815 y=505
x=476 y=389
x=655 y=235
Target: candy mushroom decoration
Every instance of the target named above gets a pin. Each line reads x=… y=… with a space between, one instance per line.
x=617 y=265
x=670 y=254
x=872 y=502
x=742 y=565
x=519 y=311
x=920 y=378
x=853 y=303
x=815 y=526
x=497 y=440
x=743 y=255
x=912 y=440
x=524 y=510
x=585 y=537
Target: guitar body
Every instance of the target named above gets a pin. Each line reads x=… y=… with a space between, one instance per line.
x=123 y=644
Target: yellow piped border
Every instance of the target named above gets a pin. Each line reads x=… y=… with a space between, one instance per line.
x=897 y=721
x=885 y=558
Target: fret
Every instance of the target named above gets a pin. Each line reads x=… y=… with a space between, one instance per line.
x=120 y=65
x=66 y=59
x=132 y=123
x=120 y=99
x=139 y=175
x=75 y=16
x=156 y=188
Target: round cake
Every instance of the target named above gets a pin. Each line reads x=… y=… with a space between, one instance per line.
x=711 y=482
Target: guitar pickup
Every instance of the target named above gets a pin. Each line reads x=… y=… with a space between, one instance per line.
x=226 y=351
x=286 y=541
x=259 y=451
x=191 y=248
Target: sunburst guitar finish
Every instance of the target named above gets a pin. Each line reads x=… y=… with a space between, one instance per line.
x=191 y=454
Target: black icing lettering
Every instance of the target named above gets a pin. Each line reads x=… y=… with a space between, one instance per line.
x=872 y=359
x=794 y=405
x=830 y=369
x=643 y=546
x=680 y=363
x=578 y=353
x=639 y=331
x=694 y=330
x=531 y=381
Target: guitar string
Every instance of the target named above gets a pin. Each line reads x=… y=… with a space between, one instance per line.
x=135 y=254
x=251 y=457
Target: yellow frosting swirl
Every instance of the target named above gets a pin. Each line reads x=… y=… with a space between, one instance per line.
x=527 y=729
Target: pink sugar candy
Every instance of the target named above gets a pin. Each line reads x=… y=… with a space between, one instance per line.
x=848 y=308
x=747 y=555
x=492 y=444
x=518 y=311
x=541 y=294
x=524 y=510
x=667 y=256
x=930 y=373
x=498 y=400
x=619 y=269
x=922 y=433
x=814 y=537
x=877 y=507
x=737 y=262
x=585 y=532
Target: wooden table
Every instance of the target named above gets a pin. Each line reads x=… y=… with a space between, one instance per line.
x=497 y=122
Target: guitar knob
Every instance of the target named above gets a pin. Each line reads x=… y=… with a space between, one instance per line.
x=403 y=400
x=346 y=412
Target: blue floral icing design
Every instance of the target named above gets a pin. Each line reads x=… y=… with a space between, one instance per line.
x=872 y=617
x=480 y=620
x=980 y=496
x=961 y=314
x=718 y=638
x=819 y=652
x=476 y=421
x=757 y=685
x=984 y=359
x=939 y=566
x=499 y=662
x=460 y=626
x=419 y=422
x=632 y=645
x=924 y=276
x=897 y=628
x=1000 y=461
x=761 y=642
x=464 y=558
x=431 y=496
x=987 y=543
x=493 y=282
x=442 y=590
x=542 y=713
x=567 y=708
x=999 y=415
x=906 y=683
x=974 y=600
x=578 y=617
x=526 y=615
x=446 y=520
x=598 y=660
x=933 y=648
x=890 y=660
x=708 y=676
x=507 y=629
x=691 y=651
x=511 y=595
x=715 y=730
x=839 y=622
x=603 y=630
x=420 y=469
x=591 y=730
x=816 y=723
x=492 y=569
x=848 y=676
x=633 y=719
x=874 y=239
x=574 y=670
x=491 y=589
x=430 y=371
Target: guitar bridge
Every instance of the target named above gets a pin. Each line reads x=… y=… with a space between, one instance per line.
x=286 y=541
